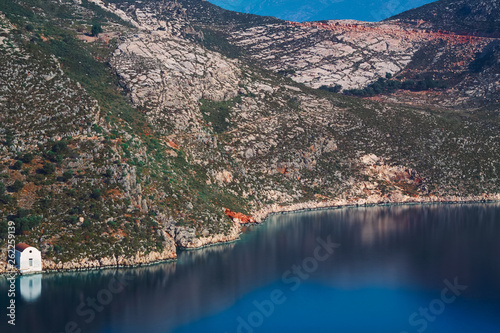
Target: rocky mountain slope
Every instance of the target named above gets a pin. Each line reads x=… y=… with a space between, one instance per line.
x=353 y=55
x=480 y=17
x=174 y=125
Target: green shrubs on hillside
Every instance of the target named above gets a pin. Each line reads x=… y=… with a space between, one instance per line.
x=389 y=86
x=4 y=229
x=289 y=72
x=47 y=169
x=60 y=146
x=215 y=41
x=5 y=199
x=96 y=194
x=24 y=221
x=334 y=89
x=72 y=220
x=16 y=187
x=485 y=59
x=26 y=158
x=96 y=30
x=109 y=173
x=17 y=165
x=218 y=113
x=67 y=175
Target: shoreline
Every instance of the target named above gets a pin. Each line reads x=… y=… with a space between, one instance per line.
x=262 y=214
x=90 y=269
x=380 y=204
x=260 y=217
x=140 y=259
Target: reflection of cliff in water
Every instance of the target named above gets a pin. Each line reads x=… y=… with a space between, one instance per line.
x=30 y=287
x=212 y=279
x=385 y=244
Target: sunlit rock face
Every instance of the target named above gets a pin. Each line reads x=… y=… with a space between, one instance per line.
x=352 y=54
x=164 y=72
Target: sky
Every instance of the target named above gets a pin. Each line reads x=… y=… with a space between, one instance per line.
x=316 y=10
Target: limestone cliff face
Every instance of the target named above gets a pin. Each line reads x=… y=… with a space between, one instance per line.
x=186 y=240
x=351 y=54
x=168 y=76
x=354 y=54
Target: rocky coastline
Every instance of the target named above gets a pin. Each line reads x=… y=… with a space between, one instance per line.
x=375 y=200
x=196 y=243
x=140 y=259
x=169 y=253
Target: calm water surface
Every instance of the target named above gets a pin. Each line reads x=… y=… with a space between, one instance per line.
x=392 y=270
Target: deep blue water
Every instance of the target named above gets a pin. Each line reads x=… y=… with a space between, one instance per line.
x=316 y=10
x=387 y=269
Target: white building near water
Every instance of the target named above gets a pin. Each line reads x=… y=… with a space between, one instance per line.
x=28 y=259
